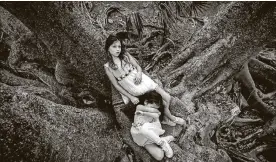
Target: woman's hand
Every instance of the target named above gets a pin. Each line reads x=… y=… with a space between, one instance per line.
x=138 y=78
x=134 y=100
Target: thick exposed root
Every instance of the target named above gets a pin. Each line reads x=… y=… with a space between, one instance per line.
x=268 y=56
x=156 y=60
x=248 y=141
x=269 y=128
x=268 y=95
x=269 y=61
x=210 y=81
x=253 y=153
x=232 y=136
x=239 y=156
x=151 y=36
x=152 y=26
x=262 y=71
x=251 y=93
x=159 y=54
x=245 y=121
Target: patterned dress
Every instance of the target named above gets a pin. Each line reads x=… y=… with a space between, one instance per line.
x=126 y=79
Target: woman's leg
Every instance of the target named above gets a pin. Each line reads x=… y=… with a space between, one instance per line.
x=166 y=100
x=155 y=151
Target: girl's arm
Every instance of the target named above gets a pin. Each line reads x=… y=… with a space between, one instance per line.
x=134 y=62
x=153 y=115
x=146 y=109
x=118 y=87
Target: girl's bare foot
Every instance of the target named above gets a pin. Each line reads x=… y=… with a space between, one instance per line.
x=179 y=121
x=167 y=121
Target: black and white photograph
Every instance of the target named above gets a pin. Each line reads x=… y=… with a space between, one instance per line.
x=137 y=81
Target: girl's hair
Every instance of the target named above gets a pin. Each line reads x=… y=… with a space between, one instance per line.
x=154 y=97
x=109 y=41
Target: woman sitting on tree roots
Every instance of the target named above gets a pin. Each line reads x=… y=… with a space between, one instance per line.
x=127 y=77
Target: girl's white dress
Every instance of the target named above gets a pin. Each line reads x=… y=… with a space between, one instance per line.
x=144 y=121
x=126 y=79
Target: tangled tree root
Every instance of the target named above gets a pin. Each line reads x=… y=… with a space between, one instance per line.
x=249 y=147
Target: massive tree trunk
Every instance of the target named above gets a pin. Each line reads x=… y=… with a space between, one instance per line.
x=35 y=129
x=68 y=32
x=65 y=36
x=221 y=47
x=36 y=121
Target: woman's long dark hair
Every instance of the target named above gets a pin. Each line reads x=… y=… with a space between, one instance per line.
x=109 y=41
x=154 y=97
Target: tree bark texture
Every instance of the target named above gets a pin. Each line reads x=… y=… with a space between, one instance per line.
x=35 y=129
x=63 y=36
x=221 y=47
x=68 y=33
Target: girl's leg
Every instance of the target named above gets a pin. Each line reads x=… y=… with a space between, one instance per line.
x=155 y=151
x=151 y=135
x=146 y=130
x=166 y=99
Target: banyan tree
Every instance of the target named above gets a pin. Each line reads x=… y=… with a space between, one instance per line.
x=217 y=60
